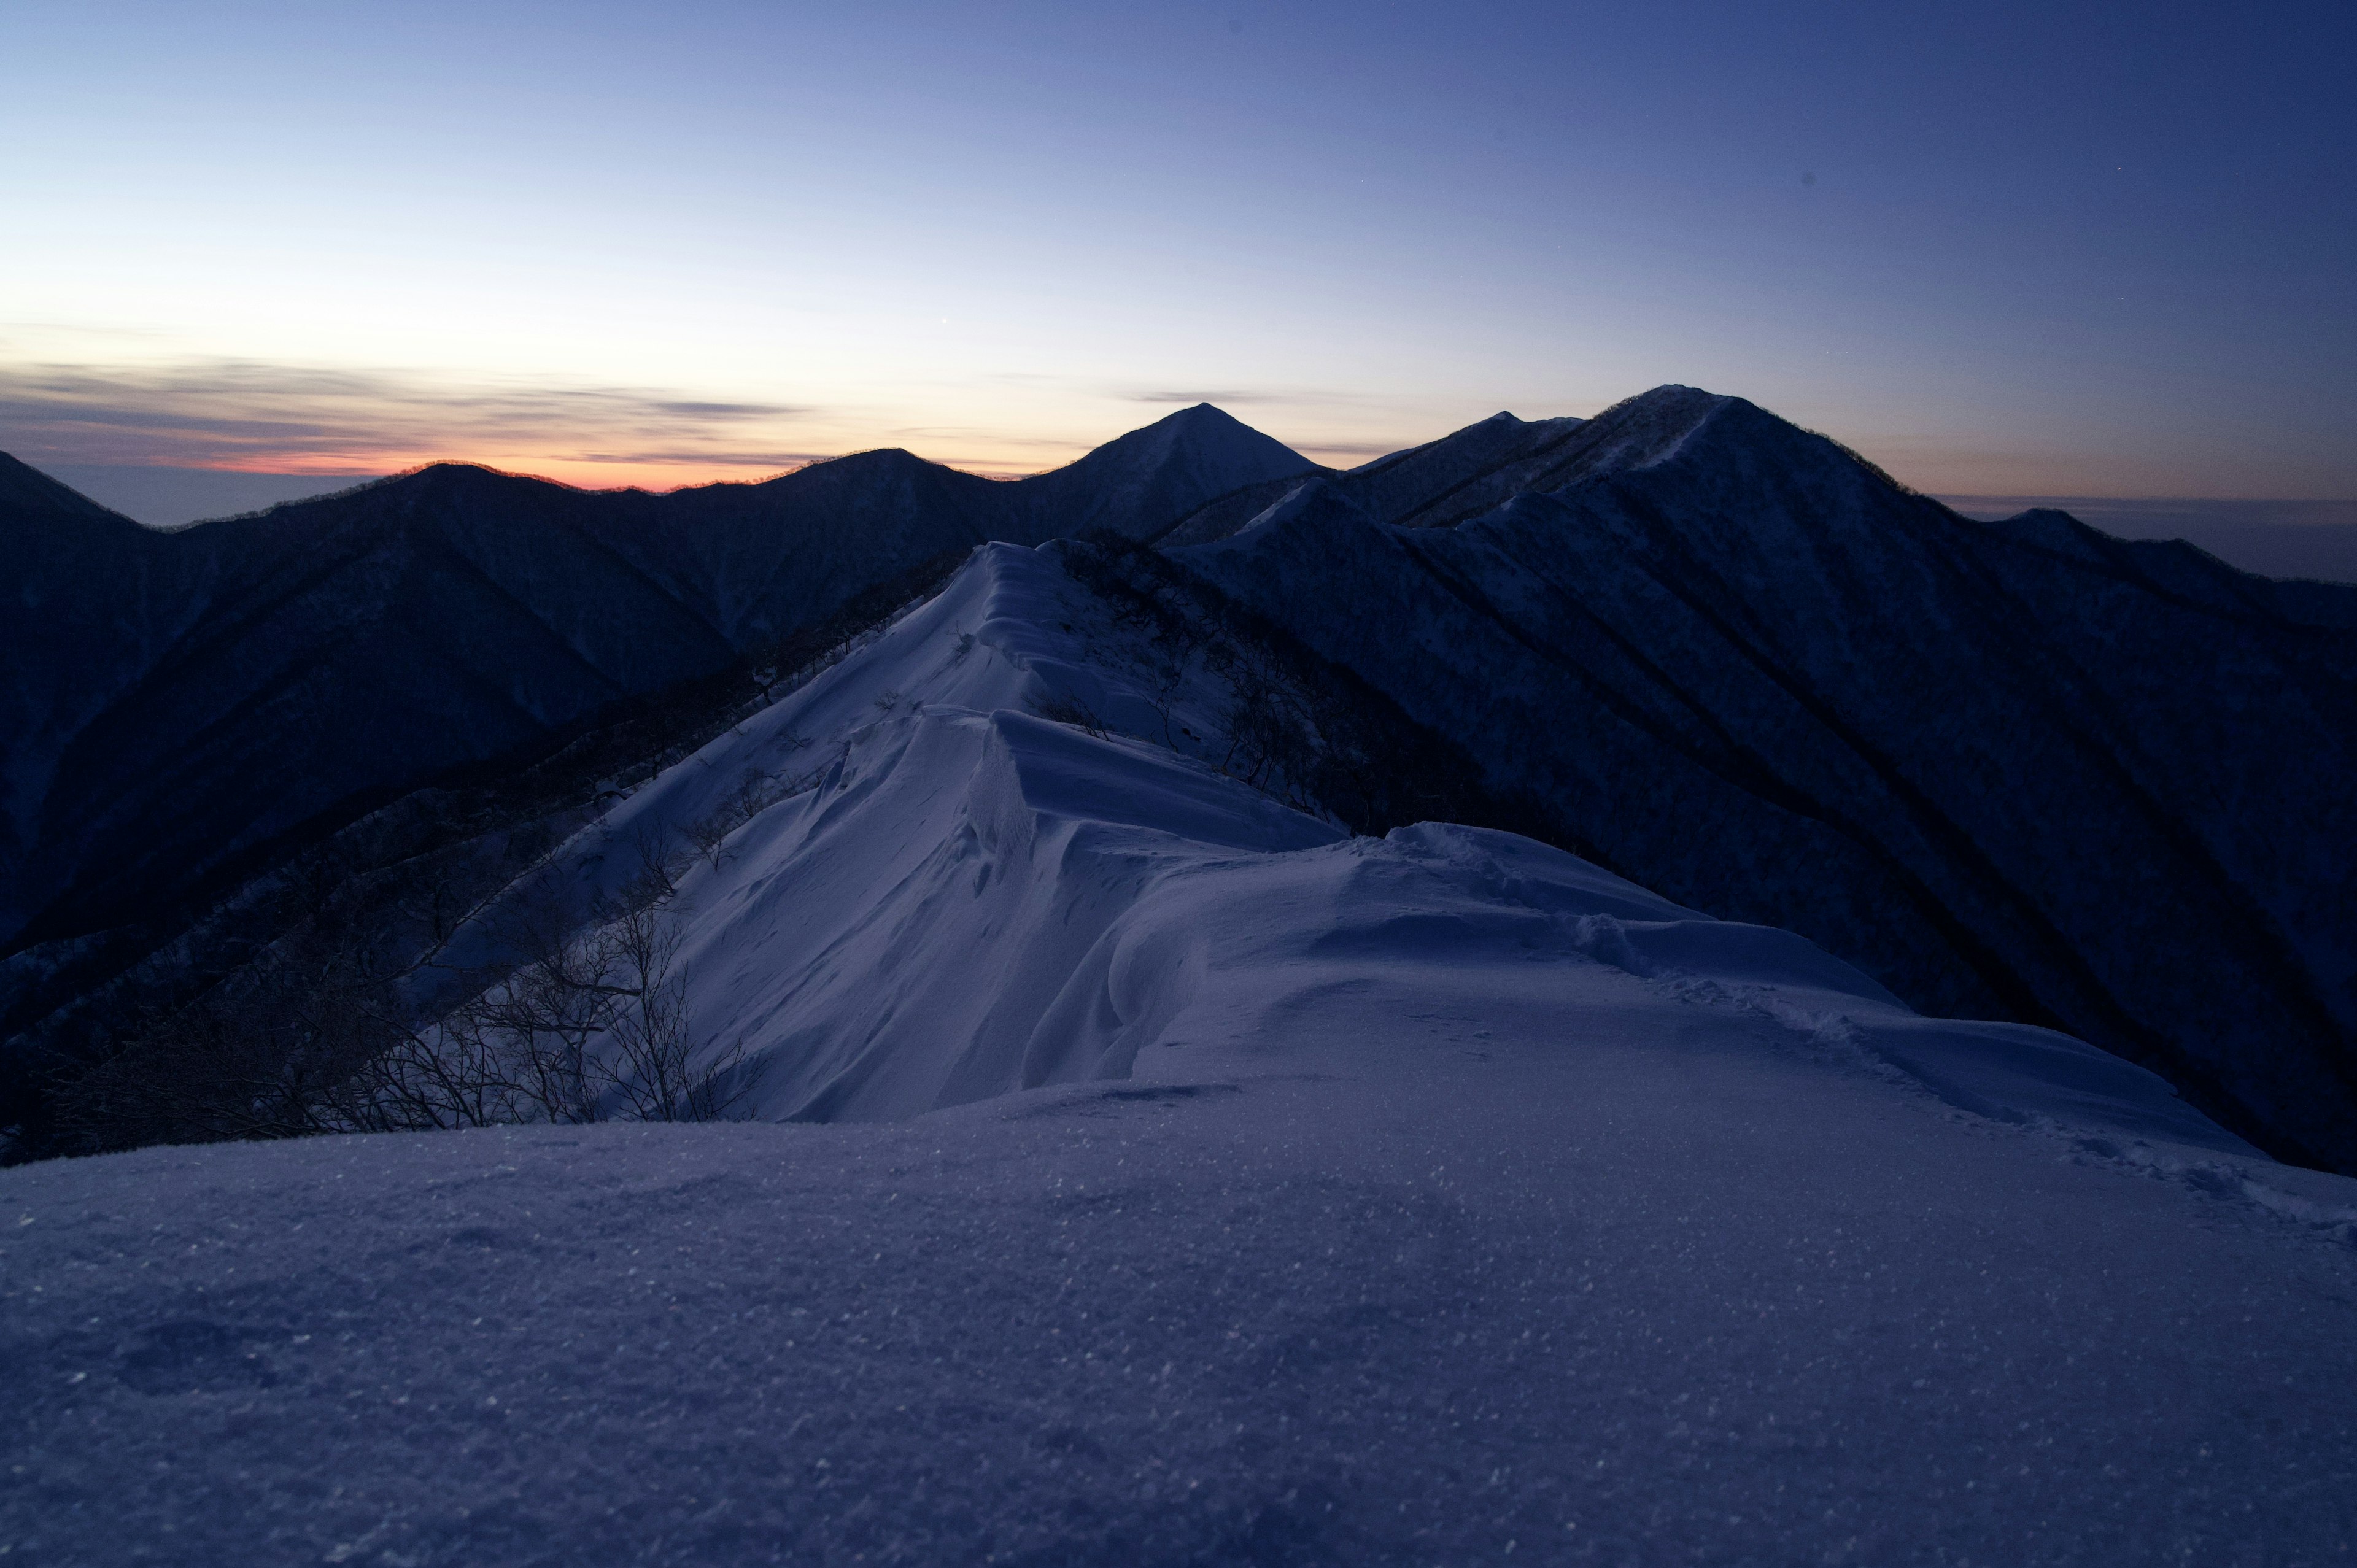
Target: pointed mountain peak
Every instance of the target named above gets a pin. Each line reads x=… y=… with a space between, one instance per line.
x=1205 y=427
x=1141 y=482
x=1212 y=446
x=1203 y=415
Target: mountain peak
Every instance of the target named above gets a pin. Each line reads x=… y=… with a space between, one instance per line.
x=1199 y=422
x=1141 y=482
x=1654 y=427
x=1201 y=414
x=1650 y=429
x=1663 y=418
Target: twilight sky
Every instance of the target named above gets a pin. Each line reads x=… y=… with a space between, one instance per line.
x=2001 y=249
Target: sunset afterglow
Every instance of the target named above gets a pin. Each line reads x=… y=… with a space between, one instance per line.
x=656 y=249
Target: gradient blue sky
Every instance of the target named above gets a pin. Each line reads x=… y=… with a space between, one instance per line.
x=2001 y=249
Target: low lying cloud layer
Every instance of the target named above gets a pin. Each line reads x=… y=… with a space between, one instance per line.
x=252 y=414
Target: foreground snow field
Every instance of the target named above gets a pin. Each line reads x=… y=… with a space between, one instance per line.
x=1198 y=1185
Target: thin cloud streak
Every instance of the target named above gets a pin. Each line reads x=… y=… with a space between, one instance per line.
x=253 y=415
x=1358 y=449
x=692 y=457
x=1221 y=399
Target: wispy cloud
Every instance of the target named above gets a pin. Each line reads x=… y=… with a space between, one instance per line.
x=693 y=456
x=238 y=413
x=1352 y=448
x=1224 y=399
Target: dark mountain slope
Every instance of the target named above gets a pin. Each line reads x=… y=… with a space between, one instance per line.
x=757 y=561
x=1462 y=474
x=89 y=597
x=176 y=699
x=2014 y=770
x=448 y=616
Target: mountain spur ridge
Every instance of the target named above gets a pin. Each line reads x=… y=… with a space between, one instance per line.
x=2016 y=770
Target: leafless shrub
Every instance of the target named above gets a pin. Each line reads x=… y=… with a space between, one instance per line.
x=755 y=792
x=651 y=1067
x=657 y=875
x=594 y=1030
x=1066 y=709
x=709 y=833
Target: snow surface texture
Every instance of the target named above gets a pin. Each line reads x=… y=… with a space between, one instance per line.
x=1278 y=1198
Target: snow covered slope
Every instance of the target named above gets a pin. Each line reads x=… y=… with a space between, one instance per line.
x=970 y=899
x=1203 y=1186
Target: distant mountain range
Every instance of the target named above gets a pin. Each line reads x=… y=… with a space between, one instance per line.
x=2276 y=539
x=2014 y=770
x=173 y=698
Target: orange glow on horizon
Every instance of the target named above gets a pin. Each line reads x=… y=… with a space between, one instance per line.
x=590 y=473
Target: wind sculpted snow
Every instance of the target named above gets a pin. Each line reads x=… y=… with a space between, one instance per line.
x=968 y=899
x=1205 y=1186
x=2014 y=770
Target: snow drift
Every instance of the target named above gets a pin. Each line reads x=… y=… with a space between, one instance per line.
x=970 y=899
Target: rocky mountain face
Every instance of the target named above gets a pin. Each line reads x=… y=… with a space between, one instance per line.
x=2018 y=770
x=176 y=700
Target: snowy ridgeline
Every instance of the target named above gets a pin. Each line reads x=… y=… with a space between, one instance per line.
x=1223 y=1188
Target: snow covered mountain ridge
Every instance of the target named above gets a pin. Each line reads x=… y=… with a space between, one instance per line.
x=1198 y=1182
x=967 y=900
x=177 y=699
x=2014 y=771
